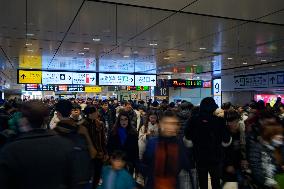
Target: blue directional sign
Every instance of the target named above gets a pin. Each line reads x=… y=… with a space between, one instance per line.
x=116 y=79
x=145 y=80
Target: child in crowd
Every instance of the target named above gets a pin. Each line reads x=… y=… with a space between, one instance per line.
x=115 y=176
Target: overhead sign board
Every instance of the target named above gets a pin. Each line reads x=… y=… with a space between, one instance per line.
x=162 y=91
x=116 y=79
x=71 y=88
x=29 y=77
x=39 y=87
x=217 y=91
x=138 y=88
x=93 y=89
x=68 y=78
x=146 y=80
x=185 y=83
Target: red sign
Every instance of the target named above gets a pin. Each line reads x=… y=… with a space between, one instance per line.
x=207 y=84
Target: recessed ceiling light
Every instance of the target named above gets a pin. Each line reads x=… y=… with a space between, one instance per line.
x=86 y=48
x=230 y=58
x=96 y=39
x=179 y=54
x=251 y=68
x=166 y=58
x=153 y=44
x=202 y=48
x=126 y=56
x=263 y=60
x=81 y=53
x=245 y=63
x=30 y=34
x=273 y=65
x=28 y=44
x=30 y=50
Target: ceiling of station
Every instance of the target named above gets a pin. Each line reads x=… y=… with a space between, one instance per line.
x=226 y=34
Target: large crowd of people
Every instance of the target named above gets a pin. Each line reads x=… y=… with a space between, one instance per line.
x=89 y=144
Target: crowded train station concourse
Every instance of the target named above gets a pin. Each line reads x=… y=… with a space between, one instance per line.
x=141 y=94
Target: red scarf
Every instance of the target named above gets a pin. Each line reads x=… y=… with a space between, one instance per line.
x=166 y=167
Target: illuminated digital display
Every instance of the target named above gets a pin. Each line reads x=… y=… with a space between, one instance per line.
x=138 y=88
x=116 y=79
x=146 y=80
x=185 y=83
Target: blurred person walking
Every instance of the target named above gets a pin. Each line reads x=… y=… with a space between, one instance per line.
x=40 y=158
x=168 y=158
x=209 y=135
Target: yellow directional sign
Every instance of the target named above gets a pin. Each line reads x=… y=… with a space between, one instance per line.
x=29 y=77
x=27 y=61
x=93 y=89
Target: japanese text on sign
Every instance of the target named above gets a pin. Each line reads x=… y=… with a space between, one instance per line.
x=116 y=79
x=29 y=77
x=145 y=80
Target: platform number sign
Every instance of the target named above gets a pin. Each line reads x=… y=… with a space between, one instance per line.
x=217 y=91
x=161 y=91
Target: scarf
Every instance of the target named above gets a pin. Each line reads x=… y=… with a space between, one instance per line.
x=166 y=167
x=122 y=135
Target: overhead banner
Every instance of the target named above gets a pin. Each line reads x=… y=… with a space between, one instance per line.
x=68 y=78
x=29 y=77
x=93 y=89
x=146 y=80
x=116 y=79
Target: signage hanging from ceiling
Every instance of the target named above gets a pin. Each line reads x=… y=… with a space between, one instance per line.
x=93 y=89
x=39 y=87
x=68 y=78
x=146 y=80
x=185 y=83
x=217 y=91
x=71 y=88
x=29 y=77
x=116 y=79
x=138 y=88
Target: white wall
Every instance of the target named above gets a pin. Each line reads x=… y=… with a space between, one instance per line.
x=192 y=95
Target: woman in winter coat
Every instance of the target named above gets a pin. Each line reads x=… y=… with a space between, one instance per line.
x=124 y=137
x=149 y=129
x=97 y=134
x=262 y=156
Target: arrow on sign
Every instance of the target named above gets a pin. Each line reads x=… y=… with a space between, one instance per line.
x=23 y=76
x=153 y=80
x=70 y=77
x=131 y=79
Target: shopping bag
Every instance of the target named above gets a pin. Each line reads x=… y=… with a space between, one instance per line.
x=230 y=185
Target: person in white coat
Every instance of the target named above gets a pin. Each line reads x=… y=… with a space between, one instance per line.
x=149 y=129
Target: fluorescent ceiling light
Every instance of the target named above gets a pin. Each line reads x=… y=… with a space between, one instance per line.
x=273 y=65
x=230 y=58
x=263 y=60
x=96 y=39
x=153 y=44
x=81 y=53
x=29 y=44
x=194 y=65
x=30 y=34
x=166 y=58
x=135 y=52
x=202 y=48
x=258 y=52
x=250 y=68
x=179 y=54
x=213 y=61
x=30 y=50
x=126 y=56
x=245 y=63
x=86 y=48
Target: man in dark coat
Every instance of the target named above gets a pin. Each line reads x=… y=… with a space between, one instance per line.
x=40 y=158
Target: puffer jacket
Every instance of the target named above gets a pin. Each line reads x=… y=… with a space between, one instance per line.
x=262 y=164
